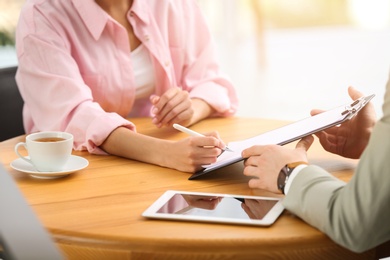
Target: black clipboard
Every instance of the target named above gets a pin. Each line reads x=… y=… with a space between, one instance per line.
x=288 y=133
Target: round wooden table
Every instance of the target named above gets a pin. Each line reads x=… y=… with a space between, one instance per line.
x=96 y=213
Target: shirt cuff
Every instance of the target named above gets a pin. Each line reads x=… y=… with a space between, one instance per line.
x=292 y=176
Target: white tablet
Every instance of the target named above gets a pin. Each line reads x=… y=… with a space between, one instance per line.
x=214 y=207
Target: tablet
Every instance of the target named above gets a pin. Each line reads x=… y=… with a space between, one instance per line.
x=214 y=207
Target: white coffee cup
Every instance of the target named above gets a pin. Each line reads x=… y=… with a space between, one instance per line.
x=47 y=151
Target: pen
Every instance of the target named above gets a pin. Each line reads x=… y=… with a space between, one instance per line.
x=193 y=133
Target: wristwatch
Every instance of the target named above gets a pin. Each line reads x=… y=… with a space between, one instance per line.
x=285 y=173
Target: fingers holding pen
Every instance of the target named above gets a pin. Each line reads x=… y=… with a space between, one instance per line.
x=207 y=142
x=219 y=143
x=201 y=150
x=191 y=153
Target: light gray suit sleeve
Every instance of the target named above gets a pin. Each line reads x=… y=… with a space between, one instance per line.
x=355 y=215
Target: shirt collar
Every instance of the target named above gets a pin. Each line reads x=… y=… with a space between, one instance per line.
x=140 y=8
x=94 y=18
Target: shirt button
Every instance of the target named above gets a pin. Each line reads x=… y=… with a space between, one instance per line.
x=131 y=14
x=167 y=63
x=147 y=38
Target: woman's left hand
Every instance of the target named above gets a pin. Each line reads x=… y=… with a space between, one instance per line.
x=174 y=106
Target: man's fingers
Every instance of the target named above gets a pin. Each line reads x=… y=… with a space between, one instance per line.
x=305 y=143
x=254 y=150
x=316 y=112
x=354 y=93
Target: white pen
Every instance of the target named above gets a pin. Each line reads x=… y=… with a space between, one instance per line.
x=193 y=133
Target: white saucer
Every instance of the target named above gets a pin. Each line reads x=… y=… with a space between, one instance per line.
x=74 y=164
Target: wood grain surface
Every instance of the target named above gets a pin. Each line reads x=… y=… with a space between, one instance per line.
x=96 y=213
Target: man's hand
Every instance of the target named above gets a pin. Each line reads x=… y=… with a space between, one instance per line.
x=351 y=137
x=264 y=162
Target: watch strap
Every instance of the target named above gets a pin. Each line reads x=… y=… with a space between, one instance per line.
x=285 y=173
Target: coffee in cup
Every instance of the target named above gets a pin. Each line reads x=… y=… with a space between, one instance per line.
x=47 y=151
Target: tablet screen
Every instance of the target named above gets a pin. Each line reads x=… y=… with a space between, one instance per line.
x=216 y=208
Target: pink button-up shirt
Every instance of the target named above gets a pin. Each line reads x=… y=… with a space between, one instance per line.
x=75 y=72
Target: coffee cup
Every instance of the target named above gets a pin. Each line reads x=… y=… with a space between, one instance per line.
x=47 y=151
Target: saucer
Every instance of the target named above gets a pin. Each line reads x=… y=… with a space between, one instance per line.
x=75 y=163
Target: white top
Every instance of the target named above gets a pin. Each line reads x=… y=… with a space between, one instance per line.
x=143 y=72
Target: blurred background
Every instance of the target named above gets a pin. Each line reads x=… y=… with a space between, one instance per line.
x=284 y=57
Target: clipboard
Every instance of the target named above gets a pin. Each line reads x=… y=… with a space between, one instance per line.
x=288 y=133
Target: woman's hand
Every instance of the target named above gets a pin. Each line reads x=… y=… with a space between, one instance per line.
x=189 y=154
x=175 y=106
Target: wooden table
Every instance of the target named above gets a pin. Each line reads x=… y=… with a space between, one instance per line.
x=96 y=213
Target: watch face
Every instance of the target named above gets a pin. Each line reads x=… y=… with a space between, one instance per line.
x=282 y=178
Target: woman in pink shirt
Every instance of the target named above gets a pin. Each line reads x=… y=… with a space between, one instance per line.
x=85 y=66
